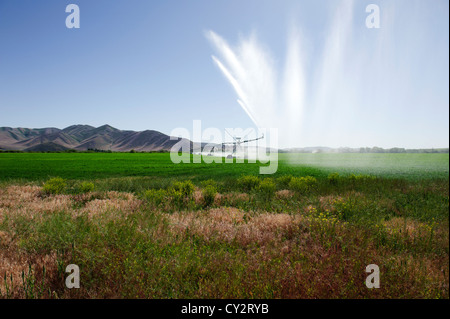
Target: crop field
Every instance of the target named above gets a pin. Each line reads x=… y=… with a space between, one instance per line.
x=86 y=166
x=139 y=226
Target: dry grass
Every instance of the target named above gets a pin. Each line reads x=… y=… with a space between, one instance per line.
x=230 y=199
x=15 y=263
x=304 y=252
x=284 y=194
x=233 y=225
x=407 y=226
x=115 y=202
x=27 y=201
x=198 y=196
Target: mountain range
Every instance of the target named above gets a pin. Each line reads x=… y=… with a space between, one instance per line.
x=108 y=138
x=84 y=137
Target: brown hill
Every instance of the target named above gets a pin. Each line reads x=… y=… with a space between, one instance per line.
x=84 y=137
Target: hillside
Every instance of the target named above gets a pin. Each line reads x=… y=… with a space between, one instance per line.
x=84 y=137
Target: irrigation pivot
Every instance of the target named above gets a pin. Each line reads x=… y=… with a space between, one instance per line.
x=237 y=144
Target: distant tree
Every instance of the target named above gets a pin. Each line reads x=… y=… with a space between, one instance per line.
x=376 y=149
x=397 y=150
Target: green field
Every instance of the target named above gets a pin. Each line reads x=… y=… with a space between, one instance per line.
x=39 y=167
x=139 y=226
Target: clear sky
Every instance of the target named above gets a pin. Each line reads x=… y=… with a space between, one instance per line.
x=148 y=65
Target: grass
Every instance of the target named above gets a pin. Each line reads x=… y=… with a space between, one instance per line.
x=87 y=166
x=222 y=231
x=405 y=166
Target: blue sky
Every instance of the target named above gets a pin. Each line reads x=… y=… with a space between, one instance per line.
x=148 y=65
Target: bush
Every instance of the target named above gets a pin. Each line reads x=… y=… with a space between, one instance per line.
x=364 y=178
x=182 y=192
x=55 y=185
x=333 y=178
x=249 y=182
x=209 y=194
x=283 y=181
x=177 y=197
x=156 y=196
x=209 y=182
x=302 y=184
x=86 y=187
x=186 y=188
x=266 y=189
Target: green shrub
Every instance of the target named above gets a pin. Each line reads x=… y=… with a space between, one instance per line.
x=356 y=178
x=86 y=187
x=55 y=185
x=333 y=178
x=209 y=182
x=302 y=184
x=155 y=196
x=248 y=182
x=266 y=189
x=283 y=181
x=177 y=197
x=181 y=192
x=186 y=188
x=209 y=194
